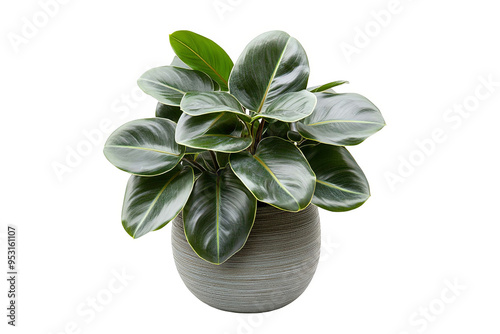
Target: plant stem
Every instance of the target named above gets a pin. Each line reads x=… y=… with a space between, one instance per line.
x=261 y=129
x=250 y=149
x=258 y=136
x=248 y=128
x=195 y=164
x=214 y=159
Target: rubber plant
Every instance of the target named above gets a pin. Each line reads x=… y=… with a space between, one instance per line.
x=226 y=136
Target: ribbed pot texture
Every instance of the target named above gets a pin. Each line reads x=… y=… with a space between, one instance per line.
x=274 y=267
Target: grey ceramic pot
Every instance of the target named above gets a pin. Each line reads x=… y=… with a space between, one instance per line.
x=274 y=267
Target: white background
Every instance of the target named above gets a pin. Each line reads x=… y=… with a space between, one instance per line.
x=383 y=265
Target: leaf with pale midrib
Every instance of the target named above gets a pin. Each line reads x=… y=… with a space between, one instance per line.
x=341 y=185
x=219 y=216
x=168 y=84
x=202 y=54
x=151 y=202
x=278 y=174
x=341 y=119
x=144 y=147
x=271 y=65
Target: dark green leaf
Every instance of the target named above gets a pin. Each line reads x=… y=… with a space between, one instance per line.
x=302 y=144
x=222 y=159
x=168 y=84
x=277 y=129
x=255 y=127
x=151 y=202
x=205 y=159
x=327 y=86
x=294 y=136
x=289 y=107
x=341 y=185
x=144 y=147
x=201 y=103
x=271 y=65
x=278 y=174
x=202 y=54
x=216 y=86
x=169 y=112
x=222 y=132
x=190 y=150
x=219 y=216
x=293 y=133
x=341 y=119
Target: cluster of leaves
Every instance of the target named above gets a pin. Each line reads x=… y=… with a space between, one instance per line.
x=228 y=135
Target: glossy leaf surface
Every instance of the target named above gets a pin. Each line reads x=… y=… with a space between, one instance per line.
x=169 y=112
x=272 y=64
x=222 y=159
x=191 y=151
x=289 y=107
x=219 y=216
x=151 y=202
x=205 y=159
x=202 y=54
x=144 y=147
x=293 y=135
x=168 y=84
x=341 y=185
x=341 y=119
x=221 y=132
x=277 y=129
x=278 y=174
x=201 y=103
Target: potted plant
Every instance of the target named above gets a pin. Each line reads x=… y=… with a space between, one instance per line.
x=239 y=157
